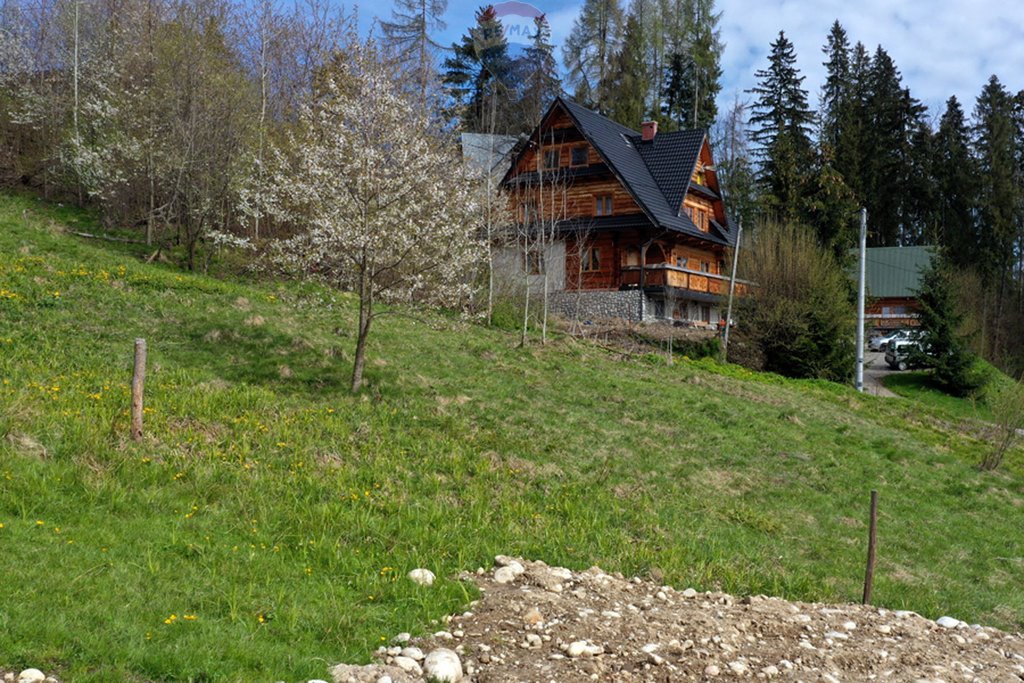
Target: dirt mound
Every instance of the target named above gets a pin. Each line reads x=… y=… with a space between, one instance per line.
x=541 y=623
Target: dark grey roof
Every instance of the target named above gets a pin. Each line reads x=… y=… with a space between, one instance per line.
x=671 y=157
x=656 y=174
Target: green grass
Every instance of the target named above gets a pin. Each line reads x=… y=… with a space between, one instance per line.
x=918 y=386
x=283 y=513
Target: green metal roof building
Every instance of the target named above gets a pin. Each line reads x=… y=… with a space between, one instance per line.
x=895 y=272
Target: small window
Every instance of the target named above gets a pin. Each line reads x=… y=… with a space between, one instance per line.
x=680 y=261
x=591 y=260
x=534 y=262
x=721 y=267
x=579 y=156
x=705 y=313
x=551 y=158
x=705 y=267
x=659 y=308
x=603 y=205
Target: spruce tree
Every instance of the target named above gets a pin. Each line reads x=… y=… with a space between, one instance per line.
x=587 y=53
x=539 y=69
x=627 y=89
x=408 y=33
x=781 y=123
x=890 y=189
x=945 y=348
x=692 y=78
x=837 y=94
x=956 y=188
x=479 y=77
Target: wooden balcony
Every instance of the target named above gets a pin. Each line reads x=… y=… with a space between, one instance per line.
x=668 y=275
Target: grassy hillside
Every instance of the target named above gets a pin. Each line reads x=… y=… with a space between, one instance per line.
x=263 y=528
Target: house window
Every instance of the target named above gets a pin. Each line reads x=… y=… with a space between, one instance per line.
x=680 y=261
x=721 y=267
x=551 y=158
x=705 y=313
x=591 y=260
x=659 y=308
x=705 y=267
x=632 y=256
x=603 y=205
x=579 y=156
x=534 y=262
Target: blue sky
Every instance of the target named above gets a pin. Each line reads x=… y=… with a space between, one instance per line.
x=942 y=47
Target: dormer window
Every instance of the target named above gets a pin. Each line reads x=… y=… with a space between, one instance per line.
x=579 y=156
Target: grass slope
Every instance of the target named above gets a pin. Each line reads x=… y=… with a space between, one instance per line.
x=263 y=528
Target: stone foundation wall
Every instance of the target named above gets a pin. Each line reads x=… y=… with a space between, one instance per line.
x=624 y=304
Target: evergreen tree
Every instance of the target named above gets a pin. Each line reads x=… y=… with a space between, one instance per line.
x=627 y=88
x=889 y=188
x=781 y=124
x=588 y=51
x=693 y=72
x=408 y=33
x=830 y=207
x=837 y=95
x=945 y=348
x=480 y=79
x=998 y=196
x=541 y=84
x=956 y=188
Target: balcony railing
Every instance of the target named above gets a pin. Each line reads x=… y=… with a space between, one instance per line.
x=668 y=275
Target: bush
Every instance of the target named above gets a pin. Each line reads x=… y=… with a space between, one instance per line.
x=1007 y=404
x=800 y=315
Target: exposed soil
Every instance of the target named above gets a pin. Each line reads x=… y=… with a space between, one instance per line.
x=540 y=624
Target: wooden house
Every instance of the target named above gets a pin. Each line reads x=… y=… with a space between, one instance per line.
x=893 y=276
x=619 y=223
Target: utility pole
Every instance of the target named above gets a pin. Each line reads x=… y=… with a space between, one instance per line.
x=860 y=298
x=732 y=290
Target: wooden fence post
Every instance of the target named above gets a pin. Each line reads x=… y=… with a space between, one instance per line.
x=138 y=386
x=869 y=574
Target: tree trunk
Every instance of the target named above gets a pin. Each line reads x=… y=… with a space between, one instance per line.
x=365 y=318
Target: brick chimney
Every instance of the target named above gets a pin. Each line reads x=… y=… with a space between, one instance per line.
x=649 y=130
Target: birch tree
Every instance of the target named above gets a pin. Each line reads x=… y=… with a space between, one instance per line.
x=383 y=207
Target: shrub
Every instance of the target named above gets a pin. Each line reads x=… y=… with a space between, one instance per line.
x=1006 y=400
x=800 y=313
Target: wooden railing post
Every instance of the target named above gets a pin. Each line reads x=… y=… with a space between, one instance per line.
x=138 y=386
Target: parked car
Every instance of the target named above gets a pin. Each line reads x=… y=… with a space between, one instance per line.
x=881 y=342
x=903 y=354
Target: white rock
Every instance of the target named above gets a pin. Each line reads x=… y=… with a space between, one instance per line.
x=384 y=679
x=948 y=622
x=581 y=648
x=770 y=671
x=739 y=668
x=837 y=635
x=408 y=665
x=412 y=653
x=533 y=640
x=884 y=629
x=31 y=676
x=423 y=577
x=505 y=574
x=561 y=573
x=316 y=680
x=443 y=665
x=611 y=614
x=850 y=625
x=711 y=670
x=690 y=593
x=403 y=637
x=650 y=647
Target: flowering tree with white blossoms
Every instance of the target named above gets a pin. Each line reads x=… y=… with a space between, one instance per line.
x=384 y=207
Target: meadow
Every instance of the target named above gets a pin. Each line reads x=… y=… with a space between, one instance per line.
x=263 y=527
